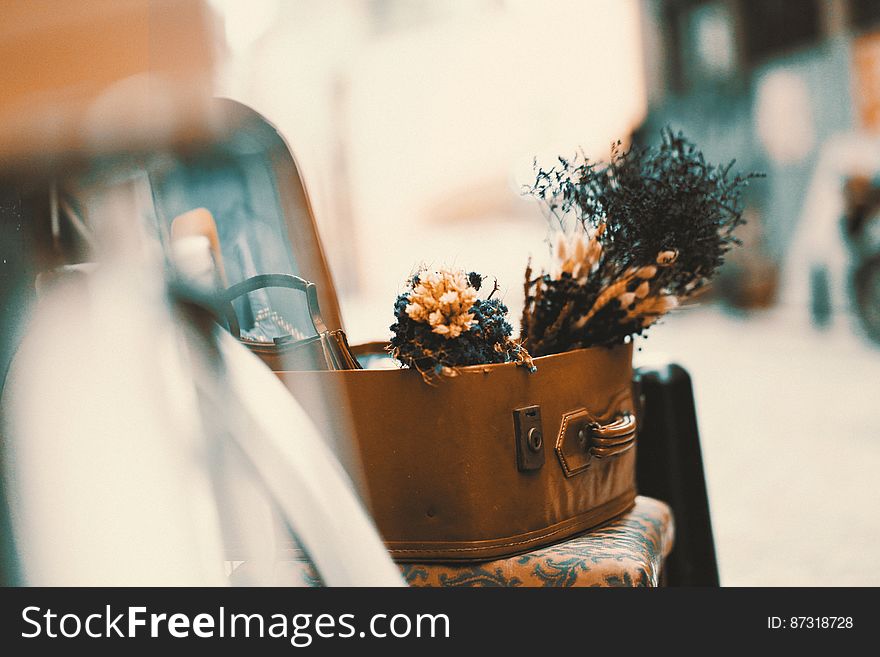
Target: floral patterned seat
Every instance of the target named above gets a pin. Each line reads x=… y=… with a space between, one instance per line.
x=628 y=551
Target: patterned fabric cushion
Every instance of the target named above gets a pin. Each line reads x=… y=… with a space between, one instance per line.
x=628 y=551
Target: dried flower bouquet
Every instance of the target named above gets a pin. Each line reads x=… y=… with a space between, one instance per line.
x=443 y=324
x=633 y=238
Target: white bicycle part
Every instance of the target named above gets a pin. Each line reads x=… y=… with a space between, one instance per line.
x=114 y=478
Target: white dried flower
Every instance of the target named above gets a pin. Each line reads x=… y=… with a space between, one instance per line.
x=652 y=308
x=646 y=272
x=626 y=299
x=443 y=299
x=666 y=258
x=576 y=253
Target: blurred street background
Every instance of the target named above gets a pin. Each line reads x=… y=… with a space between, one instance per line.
x=416 y=122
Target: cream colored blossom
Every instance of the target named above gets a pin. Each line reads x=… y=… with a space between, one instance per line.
x=443 y=300
x=666 y=258
x=646 y=272
x=642 y=290
x=626 y=299
x=652 y=308
x=576 y=253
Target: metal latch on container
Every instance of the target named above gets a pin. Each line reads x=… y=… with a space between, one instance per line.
x=529 y=438
x=582 y=438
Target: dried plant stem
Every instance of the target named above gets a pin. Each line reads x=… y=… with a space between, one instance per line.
x=608 y=294
x=554 y=329
x=527 y=295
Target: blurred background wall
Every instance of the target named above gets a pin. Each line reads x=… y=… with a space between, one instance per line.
x=775 y=84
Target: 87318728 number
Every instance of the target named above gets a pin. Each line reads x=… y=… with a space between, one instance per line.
x=810 y=623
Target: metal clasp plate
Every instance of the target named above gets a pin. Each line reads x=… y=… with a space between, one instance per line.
x=529 y=438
